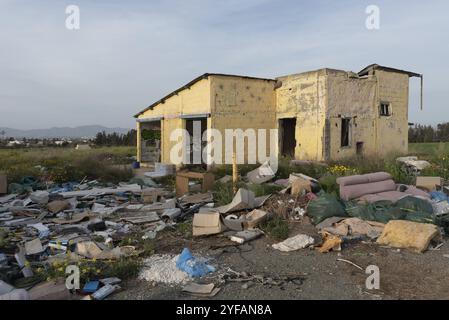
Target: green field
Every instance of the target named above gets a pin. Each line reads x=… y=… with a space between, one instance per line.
x=429 y=149
x=61 y=164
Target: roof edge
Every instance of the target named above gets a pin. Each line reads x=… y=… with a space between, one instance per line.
x=192 y=82
x=375 y=66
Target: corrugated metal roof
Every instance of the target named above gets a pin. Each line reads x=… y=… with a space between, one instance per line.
x=375 y=66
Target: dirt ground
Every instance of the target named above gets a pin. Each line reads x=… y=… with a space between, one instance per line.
x=403 y=274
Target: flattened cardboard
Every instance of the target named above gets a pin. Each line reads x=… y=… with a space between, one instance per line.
x=428 y=183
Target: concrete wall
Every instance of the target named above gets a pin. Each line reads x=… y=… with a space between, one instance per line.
x=195 y=100
x=319 y=100
x=352 y=98
x=242 y=103
x=392 y=131
x=303 y=96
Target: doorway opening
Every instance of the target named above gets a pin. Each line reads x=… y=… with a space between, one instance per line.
x=196 y=127
x=287 y=141
x=150 y=147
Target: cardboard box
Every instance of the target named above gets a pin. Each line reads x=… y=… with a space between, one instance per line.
x=254 y=218
x=207 y=223
x=151 y=195
x=428 y=183
x=3 y=183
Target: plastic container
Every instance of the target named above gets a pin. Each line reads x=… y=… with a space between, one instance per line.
x=136 y=165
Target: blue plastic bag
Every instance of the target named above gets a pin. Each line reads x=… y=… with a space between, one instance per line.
x=439 y=196
x=193 y=266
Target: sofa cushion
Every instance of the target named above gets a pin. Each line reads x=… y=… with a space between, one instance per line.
x=392 y=196
x=414 y=191
x=364 y=178
x=350 y=192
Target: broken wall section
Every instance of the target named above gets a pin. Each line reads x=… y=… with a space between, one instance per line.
x=351 y=99
x=303 y=96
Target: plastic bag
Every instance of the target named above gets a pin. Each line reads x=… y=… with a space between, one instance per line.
x=193 y=266
x=324 y=207
x=407 y=208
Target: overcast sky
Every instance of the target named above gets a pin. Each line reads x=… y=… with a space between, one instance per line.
x=128 y=54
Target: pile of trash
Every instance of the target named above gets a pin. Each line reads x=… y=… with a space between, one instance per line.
x=42 y=225
x=370 y=207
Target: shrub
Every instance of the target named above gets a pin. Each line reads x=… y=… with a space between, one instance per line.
x=277 y=228
x=329 y=184
x=263 y=189
x=223 y=193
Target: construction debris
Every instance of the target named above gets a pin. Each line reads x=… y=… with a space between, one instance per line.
x=297 y=242
x=201 y=290
x=246 y=235
x=412 y=165
x=262 y=174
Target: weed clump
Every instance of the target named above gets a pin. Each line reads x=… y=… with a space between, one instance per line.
x=277 y=228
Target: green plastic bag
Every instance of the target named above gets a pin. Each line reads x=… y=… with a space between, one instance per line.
x=325 y=206
x=407 y=208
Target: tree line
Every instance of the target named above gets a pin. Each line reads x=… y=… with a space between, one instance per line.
x=116 y=139
x=427 y=133
x=416 y=133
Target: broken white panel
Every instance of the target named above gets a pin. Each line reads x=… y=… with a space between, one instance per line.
x=7 y=198
x=33 y=247
x=297 y=242
x=262 y=174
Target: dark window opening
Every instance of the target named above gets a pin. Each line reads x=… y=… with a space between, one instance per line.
x=384 y=109
x=359 y=148
x=345 y=131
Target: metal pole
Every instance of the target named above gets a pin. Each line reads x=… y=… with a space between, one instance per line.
x=422 y=81
x=234 y=172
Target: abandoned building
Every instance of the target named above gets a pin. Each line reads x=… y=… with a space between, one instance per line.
x=320 y=115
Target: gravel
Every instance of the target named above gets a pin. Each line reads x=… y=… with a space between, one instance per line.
x=161 y=268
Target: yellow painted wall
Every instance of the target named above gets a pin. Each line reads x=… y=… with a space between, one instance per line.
x=195 y=100
x=317 y=99
x=356 y=99
x=303 y=96
x=242 y=103
x=320 y=99
x=392 y=132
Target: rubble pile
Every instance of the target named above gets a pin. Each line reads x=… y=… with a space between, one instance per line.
x=76 y=222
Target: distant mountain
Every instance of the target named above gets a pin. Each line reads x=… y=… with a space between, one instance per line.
x=60 y=132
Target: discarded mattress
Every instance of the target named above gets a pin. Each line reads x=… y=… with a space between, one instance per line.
x=408 y=234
